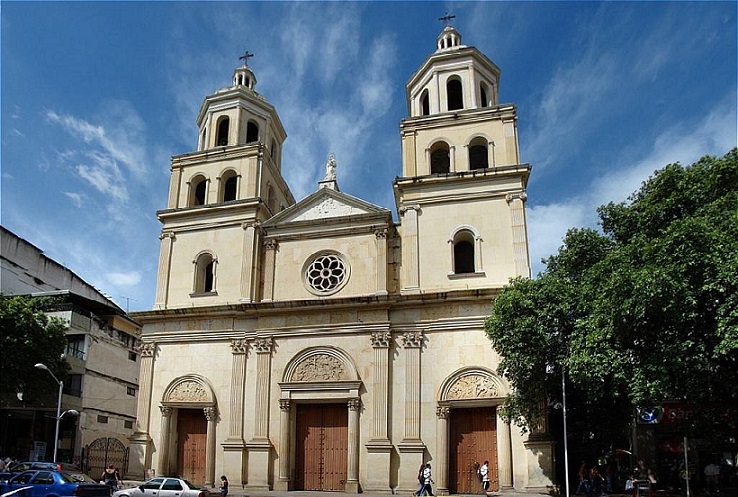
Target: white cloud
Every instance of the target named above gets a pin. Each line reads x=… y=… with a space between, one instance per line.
x=76 y=198
x=130 y=278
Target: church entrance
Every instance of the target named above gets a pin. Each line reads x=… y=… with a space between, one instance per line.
x=473 y=440
x=322 y=447
x=191 y=444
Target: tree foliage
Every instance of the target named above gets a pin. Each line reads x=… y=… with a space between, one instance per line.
x=645 y=311
x=28 y=336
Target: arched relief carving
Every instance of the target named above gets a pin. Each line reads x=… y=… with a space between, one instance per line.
x=189 y=389
x=319 y=364
x=472 y=384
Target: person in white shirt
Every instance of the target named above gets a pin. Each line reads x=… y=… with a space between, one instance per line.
x=484 y=473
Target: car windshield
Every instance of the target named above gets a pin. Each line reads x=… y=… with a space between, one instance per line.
x=192 y=485
x=70 y=477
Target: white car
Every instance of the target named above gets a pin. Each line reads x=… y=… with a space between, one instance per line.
x=164 y=486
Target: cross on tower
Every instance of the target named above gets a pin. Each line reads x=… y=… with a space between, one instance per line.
x=447 y=19
x=245 y=57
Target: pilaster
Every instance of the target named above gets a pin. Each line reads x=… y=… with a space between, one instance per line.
x=379 y=447
x=352 y=478
x=233 y=446
x=164 y=269
x=442 y=434
x=410 y=250
x=270 y=256
x=259 y=448
x=520 y=237
x=140 y=441
x=283 y=480
x=411 y=448
x=380 y=236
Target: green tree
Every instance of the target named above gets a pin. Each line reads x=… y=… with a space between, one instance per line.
x=645 y=311
x=28 y=336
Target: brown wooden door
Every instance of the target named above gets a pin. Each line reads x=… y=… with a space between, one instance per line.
x=473 y=440
x=322 y=447
x=191 y=444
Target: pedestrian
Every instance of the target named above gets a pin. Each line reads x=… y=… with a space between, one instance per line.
x=421 y=481
x=484 y=473
x=223 y=486
x=111 y=478
x=427 y=480
x=583 y=479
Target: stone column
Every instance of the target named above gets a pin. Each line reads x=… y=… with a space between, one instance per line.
x=164 y=270
x=411 y=448
x=166 y=418
x=381 y=246
x=452 y=159
x=234 y=447
x=352 y=478
x=249 y=262
x=140 y=441
x=259 y=447
x=379 y=447
x=443 y=413
x=520 y=237
x=269 y=265
x=283 y=482
x=410 y=252
x=504 y=453
x=211 y=414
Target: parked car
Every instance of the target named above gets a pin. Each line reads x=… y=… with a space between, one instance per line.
x=29 y=465
x=53 y=483
x=164 y=486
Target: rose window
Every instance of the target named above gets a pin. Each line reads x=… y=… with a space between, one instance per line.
x=326 y=273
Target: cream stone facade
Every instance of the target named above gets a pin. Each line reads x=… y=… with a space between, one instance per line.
x=318 y=344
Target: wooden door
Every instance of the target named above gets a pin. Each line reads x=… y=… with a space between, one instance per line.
x=191 y=444
x=473 y=440
x=322 y=447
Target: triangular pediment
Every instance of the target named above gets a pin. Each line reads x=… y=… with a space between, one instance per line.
x=325 y=204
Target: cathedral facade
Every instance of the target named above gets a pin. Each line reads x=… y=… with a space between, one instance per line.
x=317 y=344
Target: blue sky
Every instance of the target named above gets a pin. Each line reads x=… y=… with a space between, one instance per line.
x=97 y=96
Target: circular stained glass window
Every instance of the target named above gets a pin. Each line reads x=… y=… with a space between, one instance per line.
x=326 y=274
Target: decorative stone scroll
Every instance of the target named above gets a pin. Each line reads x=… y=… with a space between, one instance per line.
x=354 y=404
x=285 y=404
x=147 y=349
x=412 y=339
x=381 y=339
x=263 y=345
x=473 y=386
x=320 y=367
x=381 y=233
x=443 y=412
x=211 y=413
x=239 y=346
x=189 y=391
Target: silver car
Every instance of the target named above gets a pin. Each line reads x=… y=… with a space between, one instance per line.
x=164 y=486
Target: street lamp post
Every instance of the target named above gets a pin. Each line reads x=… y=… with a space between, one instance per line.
x=59 y=414
x=550 y=369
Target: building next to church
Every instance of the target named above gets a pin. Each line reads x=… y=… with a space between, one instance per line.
x=102 y=353
x=319 y=345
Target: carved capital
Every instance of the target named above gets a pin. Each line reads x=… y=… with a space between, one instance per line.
x=166 y=411
x=381 y=233
x=147 y=349
x=354 y=404
x=516 y=196
x=263 y=345
x=443 y=412
x=406 y=208
x=285 y=404
x=167 y=234
x=270 y=244
x=239 y=346
x=211 y=413
x=412 y=339
x=381 y=339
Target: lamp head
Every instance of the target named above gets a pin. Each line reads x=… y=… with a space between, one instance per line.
x=41 y=366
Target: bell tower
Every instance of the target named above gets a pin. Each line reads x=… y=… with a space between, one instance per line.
x=218 y=196
x=461 y=198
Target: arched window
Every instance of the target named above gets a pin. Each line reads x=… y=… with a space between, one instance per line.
x=424 y=104
x=478 y=157
x=252 y=132
x=464 y=252
x=223 y=127
x=198 y=191
x=483 y=95
x=204 y=273
x=440 y=159
x=228 y=185
x=454 y=94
